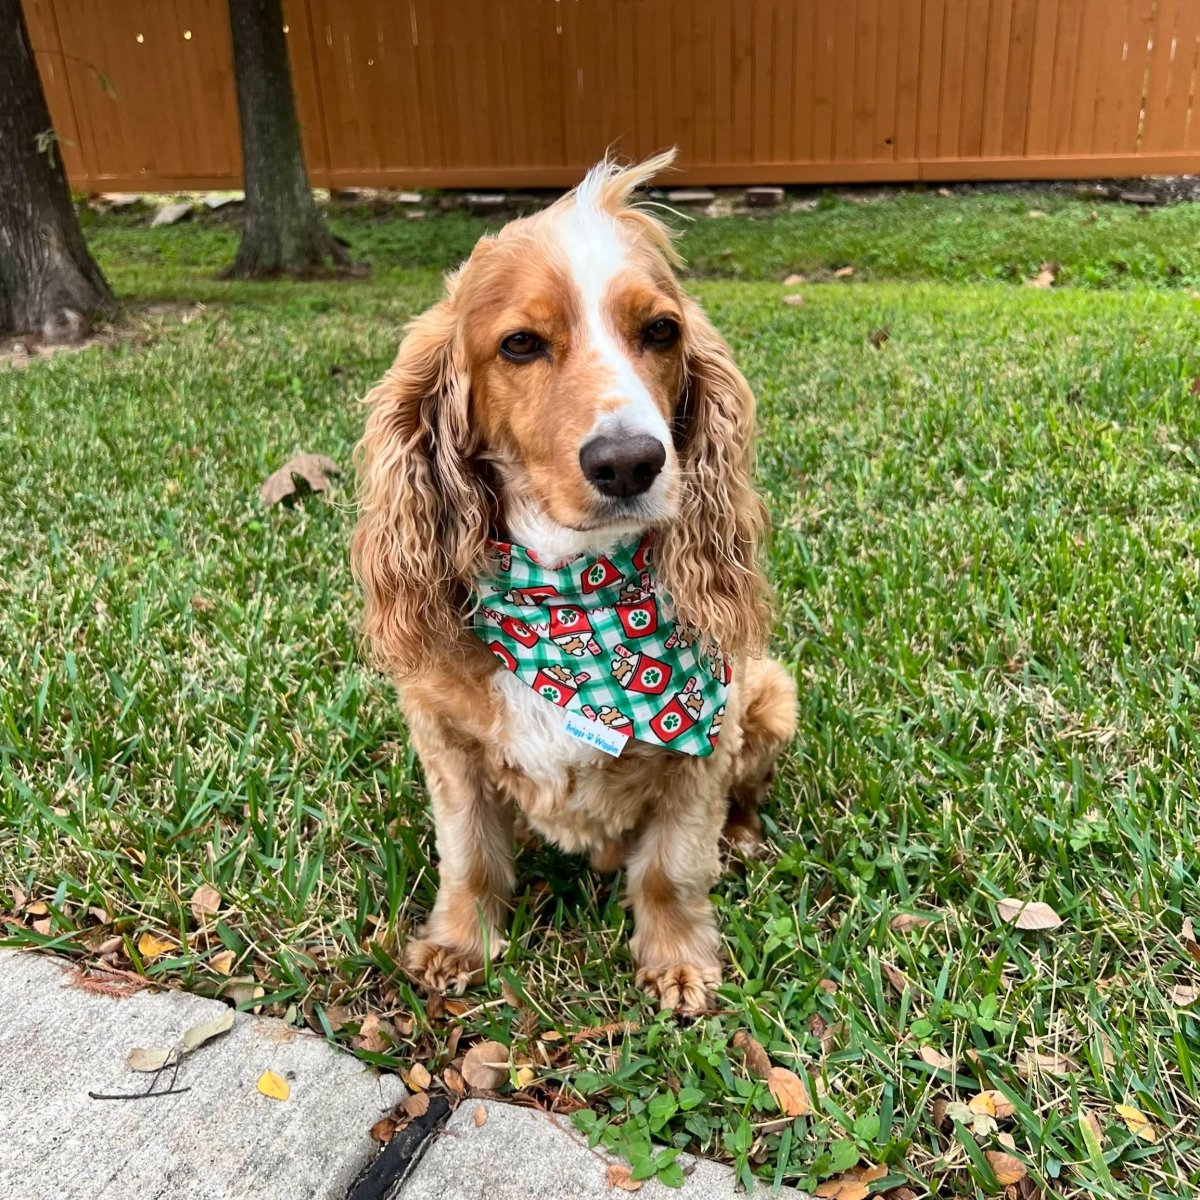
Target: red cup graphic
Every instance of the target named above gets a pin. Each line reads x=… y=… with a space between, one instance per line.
x=553 y=689
x=518 y=631
x=639 y=620
x=671 y=721
x=504 y=655
x=600 y=574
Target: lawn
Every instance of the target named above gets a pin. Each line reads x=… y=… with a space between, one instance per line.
x=987 y=560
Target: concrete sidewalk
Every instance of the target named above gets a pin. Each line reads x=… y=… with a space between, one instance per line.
x=219 y=1141
x=223 y=1140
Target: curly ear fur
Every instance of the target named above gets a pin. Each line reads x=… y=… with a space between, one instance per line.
x=708 y=555
x=422 y=511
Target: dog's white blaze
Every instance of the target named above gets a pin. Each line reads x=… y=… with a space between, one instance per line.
x=596 y=253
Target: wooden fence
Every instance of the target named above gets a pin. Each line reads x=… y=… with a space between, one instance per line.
x=527 y=93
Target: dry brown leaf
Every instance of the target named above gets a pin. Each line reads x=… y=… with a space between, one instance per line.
x=206 y=900
x=879 y=337
x=1006 y=1168
x=844 y=1188
x=42 y=925
x=1007 y=1141
x=903 y=922
x=943 y=192
x=206 y=1030
x=452 y=1078
x=222 y=963
x=1045 y=277
x=371 y=1036
x=938 y=1109
x=789 y=1092
x=1183 y=994
x=485 y=1066
x=598 y=1032
x=618 y=1175
x=525 y=1076
x=551 y=1035
x=39 y=908
x=416 y=1104
x=480 y=1117
x=383 y=1129
x=1031 y=1061
x=314 y=469
x=457 y=1008
x=871 y=1174
x=897 y=978
x=995 y=1104
x=1028 y=914
x=795 y=299
x=1093 y=1123
x=827 y=986
x=149 y=1060
x=757 y=1061
x=843 y=272
x=793 y=279
x=1036 y=212
x=273 y=1086
x=151 y=947
x=418 y=1078
x=935 y=1058
x=1137 y=1122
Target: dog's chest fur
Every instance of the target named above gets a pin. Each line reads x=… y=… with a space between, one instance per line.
x=564 y=787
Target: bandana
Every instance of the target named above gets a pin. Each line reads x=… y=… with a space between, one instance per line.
x=597 y=637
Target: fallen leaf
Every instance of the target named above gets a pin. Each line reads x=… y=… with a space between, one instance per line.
x=418 y=1078
x=903 y=922
x=879 y=337
x=1028 y=914
x=274 y=1086
x=757 y=1061
x=938 y=1109
x=843 y=272
x=371 y=1036
x=525 y=1076
x=222 y=963
x=383 y=1129
x=943 y=192
x=618 y=1175
x=1092 y=1121
x=1137 y=1122
x=1045 y=277
x=480 y=1117
x=551 y=1035
x=843 y=1188
x=871 y=1174
x=1030 y=1061
x=597 y=1032
x=793 y=279
x=827 y=986
x=206 y=900
x=42 y=925
x=313 y=469
x=207 y=1030
x=794 y=299
x=485 y=1066
x=899 y=981
x=452 y=1078
x=935 y=1058
x=995 y=1104
x=1036 y=212
x=789 y=1092
x=1006 y=1168
x=149 y=1060
x=39 y=908
x=416 y=1105
x=1007 y=1141
x=1183 y=994
x=151 y=947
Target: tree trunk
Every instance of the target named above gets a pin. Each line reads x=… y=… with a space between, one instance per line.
x=284 y=233
x=48 y=281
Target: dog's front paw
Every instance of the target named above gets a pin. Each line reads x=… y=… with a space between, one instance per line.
x=441 y=968
x=685 y=987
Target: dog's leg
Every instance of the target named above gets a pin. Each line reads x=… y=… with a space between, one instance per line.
x=672 y=866
x=474 y=841
x=768 y=724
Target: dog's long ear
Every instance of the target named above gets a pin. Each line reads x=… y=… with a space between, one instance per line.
x=708 y=556
x=422 y=511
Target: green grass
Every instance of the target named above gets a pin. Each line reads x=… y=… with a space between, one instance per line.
x=987 y=558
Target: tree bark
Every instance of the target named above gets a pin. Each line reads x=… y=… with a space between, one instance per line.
x=49 y=282
x=284 y=232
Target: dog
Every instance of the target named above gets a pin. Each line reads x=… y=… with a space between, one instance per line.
x=564 y=400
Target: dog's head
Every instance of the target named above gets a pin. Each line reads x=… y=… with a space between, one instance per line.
x=564 y=394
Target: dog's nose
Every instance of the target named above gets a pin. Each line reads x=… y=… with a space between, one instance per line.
x=624 y=465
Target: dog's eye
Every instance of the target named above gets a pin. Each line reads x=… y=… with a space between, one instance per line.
x=521 y=347
x=661 y=333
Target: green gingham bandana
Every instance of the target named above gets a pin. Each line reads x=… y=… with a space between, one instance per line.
x=596 y=636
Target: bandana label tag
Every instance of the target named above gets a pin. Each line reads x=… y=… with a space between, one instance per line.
x=594 y=733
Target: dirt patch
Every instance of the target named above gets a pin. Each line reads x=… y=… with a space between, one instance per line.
x=137 y=325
